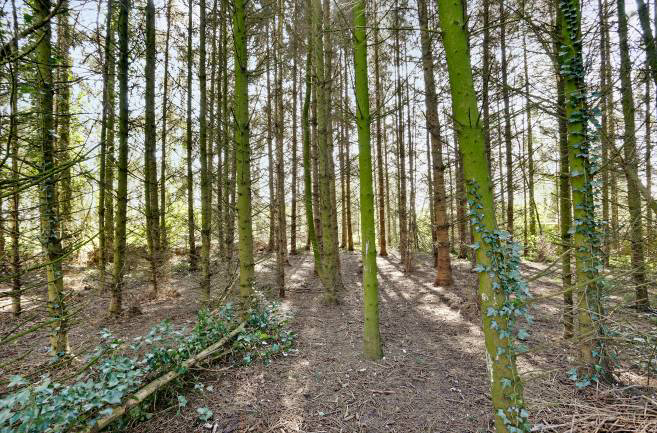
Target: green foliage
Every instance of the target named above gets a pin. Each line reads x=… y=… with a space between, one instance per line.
x=47 y=406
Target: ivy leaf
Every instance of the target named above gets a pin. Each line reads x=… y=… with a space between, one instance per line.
x=16 y=380
x=523 y=334
x=182 y=401
x=204 y=414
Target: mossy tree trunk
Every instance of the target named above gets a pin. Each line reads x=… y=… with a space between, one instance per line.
x=371 y=334
x=506 y=386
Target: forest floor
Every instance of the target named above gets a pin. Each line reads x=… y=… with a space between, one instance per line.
x=433 y=377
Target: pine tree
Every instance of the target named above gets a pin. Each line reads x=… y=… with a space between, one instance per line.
x=191 y=238
x=206 y=203
x=371 y=334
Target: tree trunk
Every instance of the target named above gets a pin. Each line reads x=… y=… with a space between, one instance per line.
x=243 y=152
x=122 y=163
x=330 y=257
x=605 y=139
x=281 y=241
x=371 y=335
x=164 y=238
x=443 y=263
x=383 y=248
x=12 y=146
x=63 y=121
x=295 y=163
x=507 y=122
x=591 y=353
x=150 y=165
x=206 y=204
x=403 y=217
x=191 y=239
x=506 y=386
x=631 y=158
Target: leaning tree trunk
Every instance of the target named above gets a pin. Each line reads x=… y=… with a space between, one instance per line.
x=506 y=386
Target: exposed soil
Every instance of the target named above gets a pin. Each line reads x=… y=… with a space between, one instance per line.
x=432 y=379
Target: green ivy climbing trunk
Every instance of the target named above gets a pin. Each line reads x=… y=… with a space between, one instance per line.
x=243 y=151
x=585 y=240
x=371 y=334
x=506 y=386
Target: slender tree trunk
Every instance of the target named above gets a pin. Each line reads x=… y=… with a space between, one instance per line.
x=295 y=162
x=104 y=187
x=648 y=40
x=315 y=168
x=206 y=204
x=12 y=146
x=383 y=248
x=110 y=162
x=605 y=90
x=530 y=149
x=330 y=258
x=150 y=164
x=281 y=241
x=507 y=122
x=191 y=238
x=591 y=353
x=122 y=164
x=243 y=152
x=63 y=121
x=460 y=201
x=403 y=217
x=164 y=238
x=647 y=102
x=347 y=146
x=443 y=262
x=270 y=154
x=506 y=386
x=371 y=334
x=307 y=168
x=631 y=159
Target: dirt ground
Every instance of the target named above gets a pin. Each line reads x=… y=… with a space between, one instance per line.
x=432 y=379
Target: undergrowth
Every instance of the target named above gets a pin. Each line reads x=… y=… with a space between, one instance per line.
x=117 y=368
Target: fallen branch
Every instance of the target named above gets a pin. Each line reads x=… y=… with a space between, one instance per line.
x=158 y=383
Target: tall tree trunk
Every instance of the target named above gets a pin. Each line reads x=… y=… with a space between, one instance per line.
x=121 y=164
x=383 y=248
x=507 y=121
x=631 y=159
x=330 y=257
x=648 y=40
x=506 y=386
x=281 y=241
x=243 y=152
x=371 y=334
x=295 y=162
x=191 y=238
x=164 y=238
x=605 y=139
x=647 y=102
x=485 y=78
x=110 y=161
x=104 y=187
x=565 y=217
x=403 y=217
x=12 y=146
x=347 y=146
x=307 y=165
x=460 y=200
x=150 y=164
x=270 y=154
x=591 y=353
x=443 y=263
x=63 y=121
x=206 y=204
x=530 y=149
